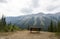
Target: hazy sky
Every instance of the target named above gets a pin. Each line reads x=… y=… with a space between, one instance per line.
x=23 y=7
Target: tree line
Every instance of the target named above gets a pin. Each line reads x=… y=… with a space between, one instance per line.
x=4 y=27
x=54 y=27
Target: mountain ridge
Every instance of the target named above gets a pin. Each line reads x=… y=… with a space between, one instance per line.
x=39 y=20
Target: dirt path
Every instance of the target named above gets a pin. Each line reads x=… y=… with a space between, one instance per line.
x=28 y=35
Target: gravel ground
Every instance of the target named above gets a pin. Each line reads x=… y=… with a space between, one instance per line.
x=28 y=35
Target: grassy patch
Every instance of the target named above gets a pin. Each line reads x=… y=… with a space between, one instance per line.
x=58 y=35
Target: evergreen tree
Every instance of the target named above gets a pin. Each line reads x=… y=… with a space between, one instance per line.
x=50 y=28
x=28 y=27
x=3 y=21
x=55 y=27
x=7 y=27
x=58 y=28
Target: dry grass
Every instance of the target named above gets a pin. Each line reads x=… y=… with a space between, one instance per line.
x=58 y=35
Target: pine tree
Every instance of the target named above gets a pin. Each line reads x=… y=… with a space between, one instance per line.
x=58 y=28
x=7 y=27
x=50 y=28
x=28 y=27
x=3 y=21
x=55 y=28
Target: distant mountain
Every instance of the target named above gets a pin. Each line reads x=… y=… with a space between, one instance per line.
x=36 y=20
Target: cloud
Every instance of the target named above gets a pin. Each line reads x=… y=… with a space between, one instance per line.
x=30 y=8
x=20 y=7
x=3 y=1
x=54 y=5
x=35 y=3
x=52 y=8
x=26 y=10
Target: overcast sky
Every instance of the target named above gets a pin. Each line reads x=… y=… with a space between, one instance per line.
x=23 y=7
